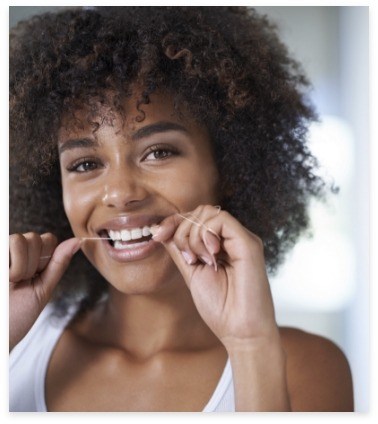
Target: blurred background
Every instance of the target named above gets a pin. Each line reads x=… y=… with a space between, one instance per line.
x=324 y=285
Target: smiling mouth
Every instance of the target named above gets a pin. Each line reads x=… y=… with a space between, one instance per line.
x=127 y=238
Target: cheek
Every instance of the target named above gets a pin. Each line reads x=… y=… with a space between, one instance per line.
x=204 y=181
x=71 y=207
x=192 y=186
x=77 y=203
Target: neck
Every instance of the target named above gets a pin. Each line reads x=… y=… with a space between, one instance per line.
x=144 y=325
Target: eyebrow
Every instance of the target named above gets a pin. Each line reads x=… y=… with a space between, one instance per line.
x=77 y=143
x=143 y=132
x=158 y=127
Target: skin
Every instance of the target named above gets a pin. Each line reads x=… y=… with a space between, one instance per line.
x=174 y=317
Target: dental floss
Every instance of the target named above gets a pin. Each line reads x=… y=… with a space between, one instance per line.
x=201 y=224
x=81 y=238
x=198 y=223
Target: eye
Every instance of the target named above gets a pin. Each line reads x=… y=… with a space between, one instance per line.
x=84 y=165
x=159 y=152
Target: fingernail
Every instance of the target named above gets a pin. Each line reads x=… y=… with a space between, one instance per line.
x=188 y=258
x=215 y=264
x=207 y=260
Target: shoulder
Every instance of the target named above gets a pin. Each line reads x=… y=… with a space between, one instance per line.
x=318 y=373
x=44 y=331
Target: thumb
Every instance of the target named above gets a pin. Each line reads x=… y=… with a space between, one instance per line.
x=164 y=234
x=176 y=254
x=58 y=264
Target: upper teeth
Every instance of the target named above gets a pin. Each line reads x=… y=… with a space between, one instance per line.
x=126 y=235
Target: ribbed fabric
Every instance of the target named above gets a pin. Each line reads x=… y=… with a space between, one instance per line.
x=222 y=399
x=29 y=361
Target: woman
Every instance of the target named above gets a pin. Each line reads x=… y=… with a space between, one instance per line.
x=176 y=139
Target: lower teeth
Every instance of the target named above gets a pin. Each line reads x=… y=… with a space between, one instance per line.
x=126 y=245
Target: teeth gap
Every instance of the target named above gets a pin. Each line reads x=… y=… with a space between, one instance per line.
x=105 y=234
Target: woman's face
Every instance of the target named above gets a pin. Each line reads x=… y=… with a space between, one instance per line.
x=126 y=176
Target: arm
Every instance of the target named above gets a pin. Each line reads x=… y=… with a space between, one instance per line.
x=224 y=268
x=233 y=298
x=300 y=372
x=259 y=375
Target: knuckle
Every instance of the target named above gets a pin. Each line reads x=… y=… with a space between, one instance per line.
x=175 y=220
x=16 y=240
x=209 y=208
x=49 y=241
x=195 y=245
x=33 y=237
x=199 y=209
x=179 y=240
x=224 y=214
x=50 y=237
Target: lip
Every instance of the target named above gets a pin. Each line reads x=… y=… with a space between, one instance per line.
x=129 y=221
x=132 y=253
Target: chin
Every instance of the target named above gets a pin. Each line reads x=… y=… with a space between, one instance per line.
x=143 y=279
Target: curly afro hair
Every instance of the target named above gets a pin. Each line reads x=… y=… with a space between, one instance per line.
x=225 y=64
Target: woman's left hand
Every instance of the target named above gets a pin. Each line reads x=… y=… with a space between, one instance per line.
x=223 y=265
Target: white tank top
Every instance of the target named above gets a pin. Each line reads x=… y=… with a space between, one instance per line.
x=29 y=360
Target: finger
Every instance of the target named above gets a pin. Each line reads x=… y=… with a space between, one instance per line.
x=196 y=242
x=167 y=228
x=34 y=244
x=49 y=243
x=186 y=230
x=56 y=267
x=18 y=257
x=235 y=238
x=177 y=228
x=184 y=233
x=213 y=245
x=211 y=240
x=183 y=264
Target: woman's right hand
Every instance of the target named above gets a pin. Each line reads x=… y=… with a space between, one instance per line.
x=36 y=265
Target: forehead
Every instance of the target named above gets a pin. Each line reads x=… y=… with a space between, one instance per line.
x=126 y=115
x=99 y=121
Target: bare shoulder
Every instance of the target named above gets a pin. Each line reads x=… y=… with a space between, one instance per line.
x=318 y=373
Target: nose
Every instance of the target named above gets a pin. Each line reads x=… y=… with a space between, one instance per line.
x=123 y=188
